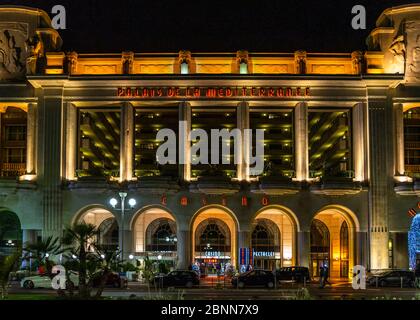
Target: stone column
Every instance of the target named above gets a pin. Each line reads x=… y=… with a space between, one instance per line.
x=183 y=249
x=244 y=241
x=381 y=173
x=301 y=142
x=31 y=139
x=304 y=242
x=70 y=160
x=128 y=242
x=50 y=155
x=361 y=250
x=244 y=147
x=399 y=139
x=184 y=152
x=127 y=142
x=360 y=138
x=28 y=236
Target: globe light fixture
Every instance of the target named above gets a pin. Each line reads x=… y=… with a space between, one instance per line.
x=113 y=202
x=132 y=202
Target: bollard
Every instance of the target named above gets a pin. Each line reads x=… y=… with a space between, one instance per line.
x=401 y=278
x=304 y=281
x=376 y=282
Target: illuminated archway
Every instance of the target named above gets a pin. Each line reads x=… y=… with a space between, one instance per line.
x=333 y=232
x=224 y=222
x=10 y=232
x=288 y=225
x=154 y=234
x=105 y=222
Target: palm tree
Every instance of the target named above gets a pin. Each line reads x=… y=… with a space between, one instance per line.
x=81 y=237
x=41 y=250
x=7 y=264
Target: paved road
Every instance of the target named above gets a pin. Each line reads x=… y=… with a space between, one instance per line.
x=286 y=291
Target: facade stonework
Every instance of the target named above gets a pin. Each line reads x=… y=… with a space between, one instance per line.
x=338 y=177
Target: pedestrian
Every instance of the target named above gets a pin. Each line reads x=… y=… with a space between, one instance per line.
x=321 y=277
x=326 y=273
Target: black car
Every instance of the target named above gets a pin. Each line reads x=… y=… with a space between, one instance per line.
x=392 y=278
x=254 y=278
x=177 y=278
x=297 y=274
x=113 y=280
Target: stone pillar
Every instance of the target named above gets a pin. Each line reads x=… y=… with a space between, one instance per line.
x=400 y=250
x=31 y=139
x=360 y=145
x=380 y=177
x=49 y=159
x=28 y=236
x=361 y=250
x=70 y=160
x=244 y=147
x=399 y=139
x=127 y=142
x=184 y=144
x=183 y=249
x=304 y=243
x=301 y=142
x=128 y=242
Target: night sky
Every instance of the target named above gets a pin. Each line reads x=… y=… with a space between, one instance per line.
x=210 y=26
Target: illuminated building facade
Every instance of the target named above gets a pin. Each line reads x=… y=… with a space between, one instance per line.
x=341 y=148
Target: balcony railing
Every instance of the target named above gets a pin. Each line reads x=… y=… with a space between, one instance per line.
x=12 y=169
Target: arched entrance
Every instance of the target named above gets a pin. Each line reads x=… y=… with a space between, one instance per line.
x=332 y=241
x=214 y=240
x=106 y=224
x=154 y=236
x=10 y=232
x=281 y=225
x=265 y=244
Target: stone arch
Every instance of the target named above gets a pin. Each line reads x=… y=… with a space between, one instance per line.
x=288 y=224
x=340 y=259
x=141 y=221
x=216 y=212
x=10 y=231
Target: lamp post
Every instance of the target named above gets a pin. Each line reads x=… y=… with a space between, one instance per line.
x=114 y=202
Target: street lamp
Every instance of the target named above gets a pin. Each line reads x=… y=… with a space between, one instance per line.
x=114 y=202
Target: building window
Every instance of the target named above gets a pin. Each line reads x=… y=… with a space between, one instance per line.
x=108 y=234
x=13 y=142
x=344 y=250
x=99 y=143
x=278 y=140
x=320 y=246
x=208 y=120
x=330 y=153
x=147 y=123
x=265 y=243
x=161 y=235
x=213 y=235
x=412 y=142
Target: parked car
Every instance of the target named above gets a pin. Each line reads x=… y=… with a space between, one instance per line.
x=254 y=278
x=113 y=280
x=297 y=274
x=45 y=281
x=392 y=278
x=177 y=278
